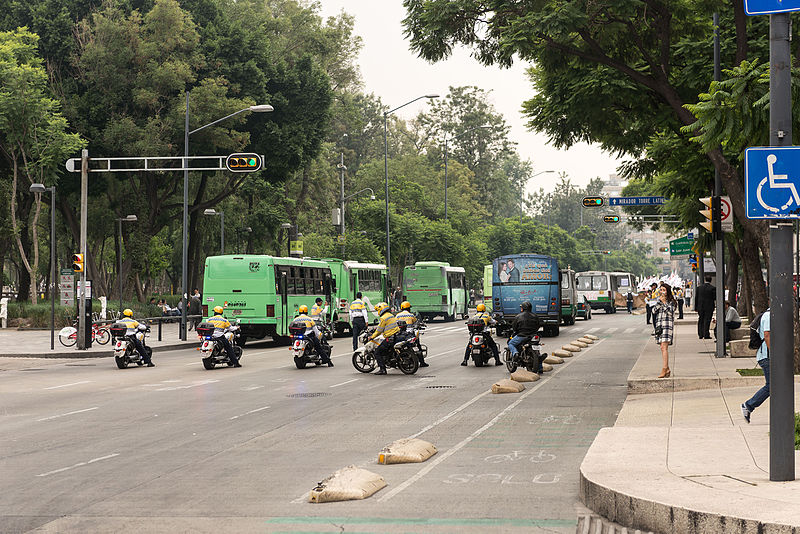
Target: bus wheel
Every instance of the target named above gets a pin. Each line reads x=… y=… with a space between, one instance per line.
x=241 y=340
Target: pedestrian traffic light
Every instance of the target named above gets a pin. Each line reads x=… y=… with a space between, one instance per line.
x=611 y=218
x=713 y=215
x=243 y=162
x=592 y=202
x=77 y=263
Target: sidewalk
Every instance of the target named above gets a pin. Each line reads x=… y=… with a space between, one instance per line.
x=36 y=343
x=681 y=458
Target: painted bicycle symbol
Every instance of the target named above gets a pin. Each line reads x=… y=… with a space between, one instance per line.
x=776 y=181
x=540 y=457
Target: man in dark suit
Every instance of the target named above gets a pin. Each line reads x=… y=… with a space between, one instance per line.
x=704 y=306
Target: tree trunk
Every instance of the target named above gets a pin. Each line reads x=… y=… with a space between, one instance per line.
x=733 y=272
x=750 y=259
x=139 y=293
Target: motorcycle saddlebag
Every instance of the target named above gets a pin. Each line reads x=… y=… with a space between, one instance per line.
x=118 y=329
x=205 y=329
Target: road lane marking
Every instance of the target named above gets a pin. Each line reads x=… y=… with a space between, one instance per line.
x=445 y=455
x=248 y=413
x=79 y=464
x=68 y=385
x=611 y=330
x=68 y=413
x=630 y=330
x=251 y=388
x=187 y=386
x=343 y=383
x=595 y=329
x=193 y=363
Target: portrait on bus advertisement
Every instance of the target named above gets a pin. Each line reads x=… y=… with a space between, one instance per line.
x=521 y=269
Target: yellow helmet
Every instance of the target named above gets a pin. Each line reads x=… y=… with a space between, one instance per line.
x=481 y=307
x=405 y=305
x=381 y=307
x=218 y=310
x=303 y=309
x=127 y=312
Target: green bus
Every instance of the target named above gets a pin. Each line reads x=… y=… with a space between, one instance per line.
x=487 y=287
x=264 y=292
x=349 y=278
x=435 y=288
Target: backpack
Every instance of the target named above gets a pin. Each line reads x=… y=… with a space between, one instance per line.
x=755 y=338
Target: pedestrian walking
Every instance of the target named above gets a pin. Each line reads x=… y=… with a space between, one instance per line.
x=651 y=297
x=664 y=322
x=705 y=296
x=358 y=318
x=629 y=301
x=688 y=295
x=194 y=311
x=398 y=298
x=762 y=358
x=678 y=294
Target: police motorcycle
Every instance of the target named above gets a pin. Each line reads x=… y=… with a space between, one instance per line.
x=211 y=349
x=479 y=350
x=403 y=357
x=530 y=355
x=303 y=350
x=125 y=352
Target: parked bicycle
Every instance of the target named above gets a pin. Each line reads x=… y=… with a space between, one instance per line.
x=68 y=335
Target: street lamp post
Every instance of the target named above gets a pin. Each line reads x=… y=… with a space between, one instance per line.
x=386 y=174
x=212 y=211
x=40 y=188
x=287 y=227
x=185 y=261
x=342 y=168
x=445 y=161
x=522 y=189
x=129 y=218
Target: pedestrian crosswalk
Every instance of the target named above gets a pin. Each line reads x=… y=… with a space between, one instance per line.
x=612 y=330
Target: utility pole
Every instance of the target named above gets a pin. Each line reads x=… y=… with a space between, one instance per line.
x=341 y=198
x=84 y=215
x=719 y=254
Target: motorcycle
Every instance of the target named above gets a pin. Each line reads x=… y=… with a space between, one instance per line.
x=211 y=348
x=125 y=352
x=303 y=350
x=480 y=351
x=403 y=356
x=530 y=356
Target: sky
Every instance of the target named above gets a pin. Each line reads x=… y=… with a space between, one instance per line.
x=395 y=74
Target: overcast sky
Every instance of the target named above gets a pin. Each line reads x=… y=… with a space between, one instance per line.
x=395 y=74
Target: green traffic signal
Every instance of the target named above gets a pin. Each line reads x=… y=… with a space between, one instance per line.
x=243 y=162
x=592 y=202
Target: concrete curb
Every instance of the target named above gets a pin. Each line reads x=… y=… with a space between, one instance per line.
x=642 y=386
x=76 y=354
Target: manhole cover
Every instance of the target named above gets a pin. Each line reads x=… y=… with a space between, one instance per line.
x=31 y=369
x=307 y=395
x=440 y=387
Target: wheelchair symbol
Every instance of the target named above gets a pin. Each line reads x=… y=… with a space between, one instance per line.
x=774 y=184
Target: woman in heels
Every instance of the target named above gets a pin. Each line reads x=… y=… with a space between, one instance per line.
x=664 y=312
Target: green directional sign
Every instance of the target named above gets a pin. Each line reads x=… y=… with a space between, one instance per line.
x=680 y=247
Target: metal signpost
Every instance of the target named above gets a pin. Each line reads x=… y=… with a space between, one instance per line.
x=771 y=177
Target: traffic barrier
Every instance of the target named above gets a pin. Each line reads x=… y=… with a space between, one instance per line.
x=347 y=484
x=523 y=375
x=571 y=348
x=406 y=451
x=507 y=386
x=547 y=367
x=562 y=353
x=592 y=337
x=579 y=343
x=586 y=340
x=553 y=359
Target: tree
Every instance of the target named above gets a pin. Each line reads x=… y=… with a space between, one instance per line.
x=33 y=140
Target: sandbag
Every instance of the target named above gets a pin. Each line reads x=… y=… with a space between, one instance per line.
x=406 y=451
x=547 y=367
x=586 y=340
x=523 y=375
x=571 y=348
x=347 y=484
x=592 y=337
x=553 y=359
x=562 y=353
x=580 y=344
x=507 y=386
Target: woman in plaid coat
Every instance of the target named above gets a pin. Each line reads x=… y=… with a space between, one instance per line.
x=664 y=321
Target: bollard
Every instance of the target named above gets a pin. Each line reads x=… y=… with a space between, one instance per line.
x=4 y=311
x=159 y=330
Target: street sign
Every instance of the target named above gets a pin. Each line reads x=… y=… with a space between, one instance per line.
x=680 y=247
x=296 y=247
x=727 y=214
x=66 y=287
x=765 y=7
x=636 y=201
x=690 y=236
x=771 y=182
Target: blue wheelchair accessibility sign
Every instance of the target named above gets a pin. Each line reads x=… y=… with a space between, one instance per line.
x=765 y=7
x=771 y=182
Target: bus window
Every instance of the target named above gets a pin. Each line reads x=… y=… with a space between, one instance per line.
x=599 y=283
x=584 y=283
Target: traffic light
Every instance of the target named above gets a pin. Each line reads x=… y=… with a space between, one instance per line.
x=694 y=267
x=592 y=202
x=713 y=215
x=663 y=249
x=243 y=162
x=605 y=252
x=611 y=218
x=77 y=263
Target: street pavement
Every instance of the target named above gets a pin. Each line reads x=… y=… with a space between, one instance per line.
x=681 y=458
x=86 y=447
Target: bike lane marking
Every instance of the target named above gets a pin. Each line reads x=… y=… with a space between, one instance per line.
x=343 y=383
x=79 y=464
x=68 y=413
x=445 y=455
x=68 y=385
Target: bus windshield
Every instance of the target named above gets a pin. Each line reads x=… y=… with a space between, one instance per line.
x=598 y=282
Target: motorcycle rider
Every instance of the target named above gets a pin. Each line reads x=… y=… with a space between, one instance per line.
x=410 y=318
x=134 y=327
x=481 y=315
x=358 y=318
x=524 y=326
x=221 y=324
x=387 y=327
x=312 y=333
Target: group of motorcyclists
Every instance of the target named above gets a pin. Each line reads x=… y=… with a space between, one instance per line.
x=390 y=329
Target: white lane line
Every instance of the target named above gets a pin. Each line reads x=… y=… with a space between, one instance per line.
x=630 y=330
x=451 y=414
x=444 y=456
x=611 y=330
x=248 y=413
x=68 y=385
x=200 y=383
x=68 y=413
x=251 y=388
x=343 y=383
x=193 y=363
x=79 y=464
x=595 y=329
